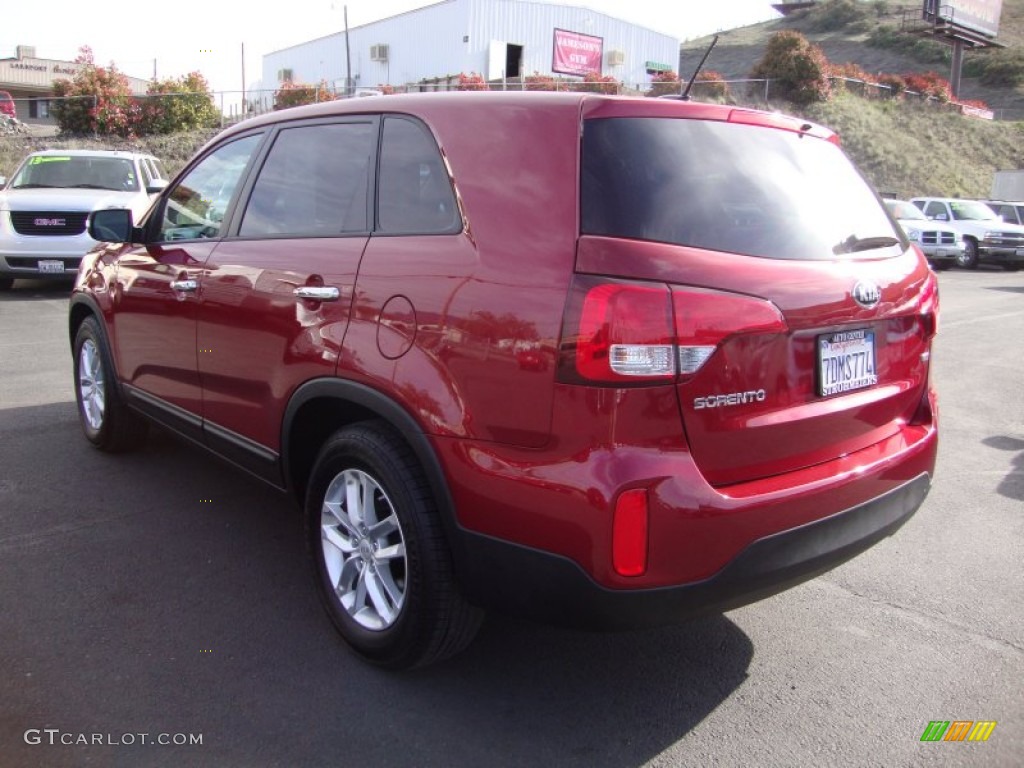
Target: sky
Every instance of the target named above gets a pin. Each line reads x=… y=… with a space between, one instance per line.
x=182 y=36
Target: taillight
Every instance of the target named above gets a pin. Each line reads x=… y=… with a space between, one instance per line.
x=704 y=319
x=618 y=332
x=623 y=333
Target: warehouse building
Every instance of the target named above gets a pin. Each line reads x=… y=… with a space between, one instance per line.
x=498 y=39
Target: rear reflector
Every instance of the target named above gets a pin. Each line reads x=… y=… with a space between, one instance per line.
x=629 y=533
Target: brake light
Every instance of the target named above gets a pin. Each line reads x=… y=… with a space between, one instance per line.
x=618 y=332
x=625 y=333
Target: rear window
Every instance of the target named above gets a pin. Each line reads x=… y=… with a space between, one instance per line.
x=727 y=187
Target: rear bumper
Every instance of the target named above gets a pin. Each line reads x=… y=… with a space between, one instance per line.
x=554 y=589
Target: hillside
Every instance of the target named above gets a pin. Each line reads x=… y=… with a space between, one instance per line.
x=738 y=50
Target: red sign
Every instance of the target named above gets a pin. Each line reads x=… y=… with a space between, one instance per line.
x=576 y=54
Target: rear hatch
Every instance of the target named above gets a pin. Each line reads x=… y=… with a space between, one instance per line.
x=800 y=316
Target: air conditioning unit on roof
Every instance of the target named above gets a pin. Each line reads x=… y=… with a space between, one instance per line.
x=616 y=58
x=379 y=52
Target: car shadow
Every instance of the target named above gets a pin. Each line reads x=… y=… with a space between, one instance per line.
x=163 y=592
x=1011 y=486
x=1007 y=288
x=35 y=290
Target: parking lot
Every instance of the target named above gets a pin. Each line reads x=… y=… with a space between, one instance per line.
x=161 y=596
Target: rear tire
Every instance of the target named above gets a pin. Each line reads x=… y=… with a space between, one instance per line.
x=969 y=258
x=382 y=565
x=1011 y=267
x=6 y=283
x=106 y=421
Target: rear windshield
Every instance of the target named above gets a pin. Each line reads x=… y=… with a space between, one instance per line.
x=727 y=187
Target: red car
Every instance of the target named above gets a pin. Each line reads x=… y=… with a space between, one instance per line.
x=607 y=362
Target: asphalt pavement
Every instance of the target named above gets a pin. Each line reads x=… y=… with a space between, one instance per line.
x=157 y=609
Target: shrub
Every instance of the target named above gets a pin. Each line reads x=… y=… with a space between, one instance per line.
x=837 y=14
x=96 y=100
x=664 y=84
x=471 y=82
x=539 y=82
x=595 y=82
x=930 y=85
x=896 y=85
x=296 y=94
x=798 y=70
x=1002 y=68
x=178 y=104
x=711 y=85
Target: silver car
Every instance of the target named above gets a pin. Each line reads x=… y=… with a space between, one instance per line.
x=942 y=245
x=45 y=205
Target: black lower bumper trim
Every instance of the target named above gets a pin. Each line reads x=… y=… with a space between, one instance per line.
x=553 y=589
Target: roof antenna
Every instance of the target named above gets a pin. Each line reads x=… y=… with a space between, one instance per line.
x=685 y=95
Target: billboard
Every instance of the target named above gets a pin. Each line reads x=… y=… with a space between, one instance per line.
x=576 y=54
x=978 y=15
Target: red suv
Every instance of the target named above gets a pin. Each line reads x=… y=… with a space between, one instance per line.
x=606 y=362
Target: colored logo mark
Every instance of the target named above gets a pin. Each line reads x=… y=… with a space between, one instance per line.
x=958 y=730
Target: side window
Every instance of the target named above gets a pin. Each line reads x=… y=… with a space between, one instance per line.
x=414 y=193
x=196 y=206
x=314 y=182
x=147 y=176
x=934 y=209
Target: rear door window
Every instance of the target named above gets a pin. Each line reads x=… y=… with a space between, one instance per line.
x=315 y=181
x=727 y=187
x=415 y=194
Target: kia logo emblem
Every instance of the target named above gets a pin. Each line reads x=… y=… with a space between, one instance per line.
x=867 y=294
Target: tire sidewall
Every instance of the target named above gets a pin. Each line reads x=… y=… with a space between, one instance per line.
x=88 y=332
x=396 y=645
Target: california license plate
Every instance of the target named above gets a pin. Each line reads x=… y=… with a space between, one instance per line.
x=846 y=361
x=51 y=265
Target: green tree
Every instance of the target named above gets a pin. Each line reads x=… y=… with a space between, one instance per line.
x=178 y=104
x=96 y=100
x=798 y=70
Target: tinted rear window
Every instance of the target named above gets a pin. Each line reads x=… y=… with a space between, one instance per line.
x=726 y=187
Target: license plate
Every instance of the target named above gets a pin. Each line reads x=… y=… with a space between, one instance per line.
x=846 y=361
x=51 y=265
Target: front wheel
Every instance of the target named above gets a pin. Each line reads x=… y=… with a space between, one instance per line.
x=382 y=565
x=969 y=258
x=106 y=421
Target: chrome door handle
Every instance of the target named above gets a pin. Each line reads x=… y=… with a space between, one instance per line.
x=318 y=293
x=186 y=286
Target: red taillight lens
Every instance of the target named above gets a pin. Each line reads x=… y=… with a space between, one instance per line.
x=624 y=332
x=704 y=319
x=629 y=533
x=618 y=332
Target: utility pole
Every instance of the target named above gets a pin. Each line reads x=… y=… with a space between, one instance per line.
x=348 y=58
x=243 y=82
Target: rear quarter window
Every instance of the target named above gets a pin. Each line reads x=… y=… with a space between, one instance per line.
x=725 y=187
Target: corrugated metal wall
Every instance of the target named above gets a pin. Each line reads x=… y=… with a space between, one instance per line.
x=456 y=36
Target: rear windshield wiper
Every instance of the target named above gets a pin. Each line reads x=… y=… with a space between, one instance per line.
x=854 y=244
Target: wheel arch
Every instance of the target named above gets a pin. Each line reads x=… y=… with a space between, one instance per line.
x=81 y=308
x=320 y=407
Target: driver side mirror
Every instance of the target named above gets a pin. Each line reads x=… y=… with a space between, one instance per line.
x=113 y=225
x=156 y=186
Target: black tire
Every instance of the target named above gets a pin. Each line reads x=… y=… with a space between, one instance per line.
x=1011 y=267
x=106 y=421
x=940 y=266
x=969 y=258
x=418 y=616
x=6 y=283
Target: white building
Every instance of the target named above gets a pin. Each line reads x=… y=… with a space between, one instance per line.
x=498 y=39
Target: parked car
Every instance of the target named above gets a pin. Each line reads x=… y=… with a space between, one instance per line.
x=987 y=238
x=1008 y=211
x=44 y=207
x=505 y=352
x=942 y=245
x=7 y=106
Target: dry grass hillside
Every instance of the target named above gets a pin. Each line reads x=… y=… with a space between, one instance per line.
x=738 y=50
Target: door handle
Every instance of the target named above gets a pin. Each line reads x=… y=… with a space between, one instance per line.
x=318 y=293
x=185 y=286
